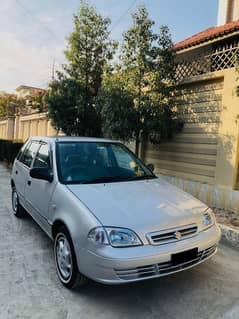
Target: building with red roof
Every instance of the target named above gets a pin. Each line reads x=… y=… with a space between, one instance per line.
x=213 y=49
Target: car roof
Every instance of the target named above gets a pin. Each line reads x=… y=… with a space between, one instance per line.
x=71 y=139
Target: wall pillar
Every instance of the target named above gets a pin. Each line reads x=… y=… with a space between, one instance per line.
x=10 y=127
x=46 y=126
x=16 y=127
x=227 y=150
x=37 y=127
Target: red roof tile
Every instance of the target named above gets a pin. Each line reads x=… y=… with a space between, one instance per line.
x=207 y=34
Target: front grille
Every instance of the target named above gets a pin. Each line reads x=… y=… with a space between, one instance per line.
x=162 y=269
x=172 y=235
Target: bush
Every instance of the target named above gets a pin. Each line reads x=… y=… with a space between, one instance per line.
x=9 y=150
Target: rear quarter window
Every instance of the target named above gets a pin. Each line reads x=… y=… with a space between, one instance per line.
x=29 y=153
x=18 y=157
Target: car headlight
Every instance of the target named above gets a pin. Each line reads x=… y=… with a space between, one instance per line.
x=116 y=237
x=98 y=236
x=208 y=219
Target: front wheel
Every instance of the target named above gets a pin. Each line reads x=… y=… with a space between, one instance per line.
x=65 y=260
x=18 y=210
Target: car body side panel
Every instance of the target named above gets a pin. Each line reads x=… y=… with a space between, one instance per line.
x=67 y=208
x=19 y=175
x=38 y=196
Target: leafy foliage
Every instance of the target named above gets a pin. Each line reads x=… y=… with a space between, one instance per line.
x=115 y=103
x=71 y=99
x=147 y=71
x=10 y=104
x=67 y=108
x=162 y=90
x=38 y=102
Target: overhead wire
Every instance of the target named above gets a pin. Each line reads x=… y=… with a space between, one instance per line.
x=33 y=16
x=123 y=14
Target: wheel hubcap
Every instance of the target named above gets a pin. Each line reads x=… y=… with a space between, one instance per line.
x=64 y=257
x=14 y=201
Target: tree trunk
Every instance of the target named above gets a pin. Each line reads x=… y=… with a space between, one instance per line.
x=144 y=143
x=137 y=142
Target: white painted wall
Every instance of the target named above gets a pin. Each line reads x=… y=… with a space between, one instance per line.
x=222 y=11
x=236 y=10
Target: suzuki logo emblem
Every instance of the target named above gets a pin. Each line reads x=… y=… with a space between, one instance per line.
x=177 y=235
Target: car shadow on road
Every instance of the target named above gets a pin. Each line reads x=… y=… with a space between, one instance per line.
x=157 y=298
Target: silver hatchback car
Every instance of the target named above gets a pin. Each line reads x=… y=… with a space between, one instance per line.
x=112 y=220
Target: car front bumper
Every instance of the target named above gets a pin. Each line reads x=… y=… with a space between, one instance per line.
x=122 y=265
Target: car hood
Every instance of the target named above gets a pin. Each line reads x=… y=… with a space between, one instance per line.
x=146 y=205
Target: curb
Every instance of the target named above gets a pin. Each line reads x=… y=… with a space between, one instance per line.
x=230 y=236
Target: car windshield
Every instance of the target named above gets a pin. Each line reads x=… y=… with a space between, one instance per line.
x=98 y=162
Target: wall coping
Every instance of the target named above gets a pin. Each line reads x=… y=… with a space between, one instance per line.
x=203 y=77
x=35 y=116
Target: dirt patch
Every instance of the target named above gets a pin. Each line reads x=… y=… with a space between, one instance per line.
x=227 y=217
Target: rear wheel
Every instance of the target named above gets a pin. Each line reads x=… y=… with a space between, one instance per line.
x=18 y=210
x=65 y=259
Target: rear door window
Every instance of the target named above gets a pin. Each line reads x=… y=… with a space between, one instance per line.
x=29 y=153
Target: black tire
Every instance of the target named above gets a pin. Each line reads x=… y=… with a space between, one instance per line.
x=70 y=277
x=17 y=209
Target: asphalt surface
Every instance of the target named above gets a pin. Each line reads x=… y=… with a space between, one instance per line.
x=29 y=287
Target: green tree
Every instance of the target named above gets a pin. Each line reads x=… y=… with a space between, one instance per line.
x=137 y=56
x=38 y=102
x=71 y=98
x=4 y=102
x=10 y=104
x=147 y=72
x=163 y=119
x=115 y=104
x=67 y=109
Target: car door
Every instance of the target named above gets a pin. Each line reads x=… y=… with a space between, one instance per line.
x=39 y=192
x=21 y=168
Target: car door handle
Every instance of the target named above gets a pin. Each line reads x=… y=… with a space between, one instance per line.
x=29 y=183
x=16 y=172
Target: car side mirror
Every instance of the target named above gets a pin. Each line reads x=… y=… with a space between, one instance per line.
x=42 y=173
x=150 y=167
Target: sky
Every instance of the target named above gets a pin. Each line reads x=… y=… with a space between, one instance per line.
x=33 y=32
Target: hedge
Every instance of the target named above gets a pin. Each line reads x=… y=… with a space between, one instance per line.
x=9 y=150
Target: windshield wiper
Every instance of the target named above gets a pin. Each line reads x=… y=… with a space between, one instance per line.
x=136 y=178
x=108 y=179
x=104 y=179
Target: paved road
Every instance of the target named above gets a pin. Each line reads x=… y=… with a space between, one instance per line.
x=29 y=287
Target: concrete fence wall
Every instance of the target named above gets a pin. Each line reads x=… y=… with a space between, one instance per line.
x=203 y=158
x=21 y=127
x=3 y=129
